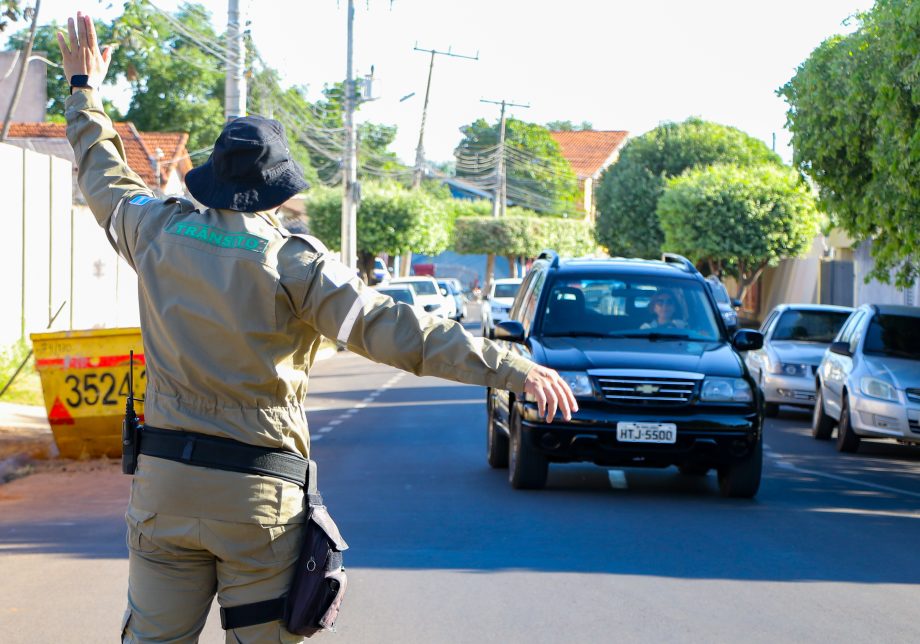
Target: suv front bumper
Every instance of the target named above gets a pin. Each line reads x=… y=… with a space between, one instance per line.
x=712 y=436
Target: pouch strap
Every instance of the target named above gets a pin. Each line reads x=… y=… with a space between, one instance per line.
x=203 y=450
x=252 y=614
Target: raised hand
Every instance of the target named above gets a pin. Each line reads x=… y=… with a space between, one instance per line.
x=81 y=54
x=551 y=392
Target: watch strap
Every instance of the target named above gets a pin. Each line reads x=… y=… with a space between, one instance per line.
x=79 y=81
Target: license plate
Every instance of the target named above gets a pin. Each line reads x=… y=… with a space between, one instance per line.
x=647 y=432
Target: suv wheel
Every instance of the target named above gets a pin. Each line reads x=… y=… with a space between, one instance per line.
x=822 y=425
x=847 y=440
x=771 y=410
x=527 y=468
x=742 y=478
x=496 y=441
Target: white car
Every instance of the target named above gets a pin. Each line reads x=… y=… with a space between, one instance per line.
x=429 y=295
x=869 y=380
x=402 y=293
x=795 y=339
x=497 y=303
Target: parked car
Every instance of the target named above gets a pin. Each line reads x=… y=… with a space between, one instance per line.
x=727 y=305
x=451 y=288
x=869 y=380
x=658 y=378
x=428 y=294
x=795 y=339
x=402 y=293
x=497 y=303
x=381 y=272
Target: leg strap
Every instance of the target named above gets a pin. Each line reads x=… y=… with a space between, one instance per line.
x=252 y=614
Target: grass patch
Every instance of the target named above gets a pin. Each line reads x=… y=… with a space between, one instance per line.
x=27 y=388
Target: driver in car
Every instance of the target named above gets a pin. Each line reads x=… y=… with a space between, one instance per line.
x=664 y=306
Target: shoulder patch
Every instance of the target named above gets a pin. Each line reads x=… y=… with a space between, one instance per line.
x=140 y=200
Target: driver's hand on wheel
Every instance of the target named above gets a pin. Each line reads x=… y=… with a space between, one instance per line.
x=551 y=393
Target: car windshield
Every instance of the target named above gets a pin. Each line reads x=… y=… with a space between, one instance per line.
x=894 y=336
x=424 y=288
x=809 y=326
x=449 y=287
x=399 y=294
x=657 y=308
x=719 y=293
x=506 y=290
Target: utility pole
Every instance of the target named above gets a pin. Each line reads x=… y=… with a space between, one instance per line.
x=235 y=85
x=20 y=81
x=420 y=150
x=501 y=182
x=350 y=159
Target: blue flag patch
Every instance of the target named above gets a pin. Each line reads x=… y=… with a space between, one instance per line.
x=140 y=200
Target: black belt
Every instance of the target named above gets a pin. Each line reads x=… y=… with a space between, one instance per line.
x=223 y=454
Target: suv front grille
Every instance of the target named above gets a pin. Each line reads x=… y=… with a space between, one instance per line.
x=625 y=390
x=913 y=395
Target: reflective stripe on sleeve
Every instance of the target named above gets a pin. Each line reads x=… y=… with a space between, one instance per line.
x=364 y=299
x=113 y=218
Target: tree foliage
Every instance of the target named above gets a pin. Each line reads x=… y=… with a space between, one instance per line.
x=854 y=114
x=391 y=219
x=738 y=219
x=568 y=126
x=628 y=193
x=539 y=177
x=522 y=234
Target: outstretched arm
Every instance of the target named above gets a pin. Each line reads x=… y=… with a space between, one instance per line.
x=104 y=176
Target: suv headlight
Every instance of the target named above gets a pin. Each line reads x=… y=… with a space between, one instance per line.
x=726 y=390
x=578 y=382
x=794 y=369
x=878 y=389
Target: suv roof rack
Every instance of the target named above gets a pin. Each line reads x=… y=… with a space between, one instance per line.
x=679 y=260
x=551 y=256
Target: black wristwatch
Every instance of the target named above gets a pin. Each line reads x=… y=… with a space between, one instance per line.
x=80 y=81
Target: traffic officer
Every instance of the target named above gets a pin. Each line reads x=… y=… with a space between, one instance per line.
x=232 y=309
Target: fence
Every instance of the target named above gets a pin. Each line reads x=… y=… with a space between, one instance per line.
x=55 y=253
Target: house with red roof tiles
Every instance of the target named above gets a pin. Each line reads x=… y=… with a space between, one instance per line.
x=590 y=152
x=159 y=158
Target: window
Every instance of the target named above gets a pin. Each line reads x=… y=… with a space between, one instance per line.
x=847 y=331
x=894 y=336
x=506 y=290
x=809 y=326
x=530 y=305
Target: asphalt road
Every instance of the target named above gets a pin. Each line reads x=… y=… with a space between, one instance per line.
x=443 y=550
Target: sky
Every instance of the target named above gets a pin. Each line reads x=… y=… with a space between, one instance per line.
x=619 y=64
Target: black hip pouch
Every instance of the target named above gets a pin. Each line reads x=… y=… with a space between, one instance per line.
x=319 y=582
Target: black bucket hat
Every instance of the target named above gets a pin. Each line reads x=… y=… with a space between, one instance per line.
x=250 y=168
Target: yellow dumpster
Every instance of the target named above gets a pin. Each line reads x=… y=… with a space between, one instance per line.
x=84 y=378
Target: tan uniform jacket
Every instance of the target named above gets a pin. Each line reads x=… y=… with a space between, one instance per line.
x=232 y=312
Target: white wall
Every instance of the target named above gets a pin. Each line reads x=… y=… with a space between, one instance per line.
x=875 y=292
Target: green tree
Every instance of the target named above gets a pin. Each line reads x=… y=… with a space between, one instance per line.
x=737 y=219
x=627 y=197
x=391 y=219
x=539 y=177
x=568 y=126
x=854 y=114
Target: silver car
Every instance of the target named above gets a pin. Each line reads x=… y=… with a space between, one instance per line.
x=795 y=339
x=869 y=380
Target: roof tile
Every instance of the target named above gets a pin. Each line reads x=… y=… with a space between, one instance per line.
x=589 y=151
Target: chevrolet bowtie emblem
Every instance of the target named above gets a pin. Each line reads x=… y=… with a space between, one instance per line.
x=648 y=389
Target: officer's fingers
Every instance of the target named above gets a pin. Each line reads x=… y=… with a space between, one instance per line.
x=72 y=33
x=62 y=43
x=90 y=32
x=552 y=403
x=565 y=405
x=541 y=401
x=107 y=54
x=569 y=396
x=81 y=29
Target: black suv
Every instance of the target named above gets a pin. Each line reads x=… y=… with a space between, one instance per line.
x=658 y=378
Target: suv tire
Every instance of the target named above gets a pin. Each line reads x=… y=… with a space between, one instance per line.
x=496 y=441
x=847 y=440
x=527 y=468
x=771 y=410
x=741 y=479
x=822 y=425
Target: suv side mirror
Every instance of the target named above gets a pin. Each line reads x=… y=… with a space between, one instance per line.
x=432 y=307
x=747 y=340
x=509 y=330
x=841 y=349
x=736 y=303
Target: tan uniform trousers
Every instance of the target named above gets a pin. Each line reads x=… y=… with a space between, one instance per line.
x=178 y=563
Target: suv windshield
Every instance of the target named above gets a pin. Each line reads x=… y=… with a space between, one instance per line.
x=658 y=308
x=894 y=336
x=809 y=326
x=399 y=294
x=423 y=287
x=506 y=290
